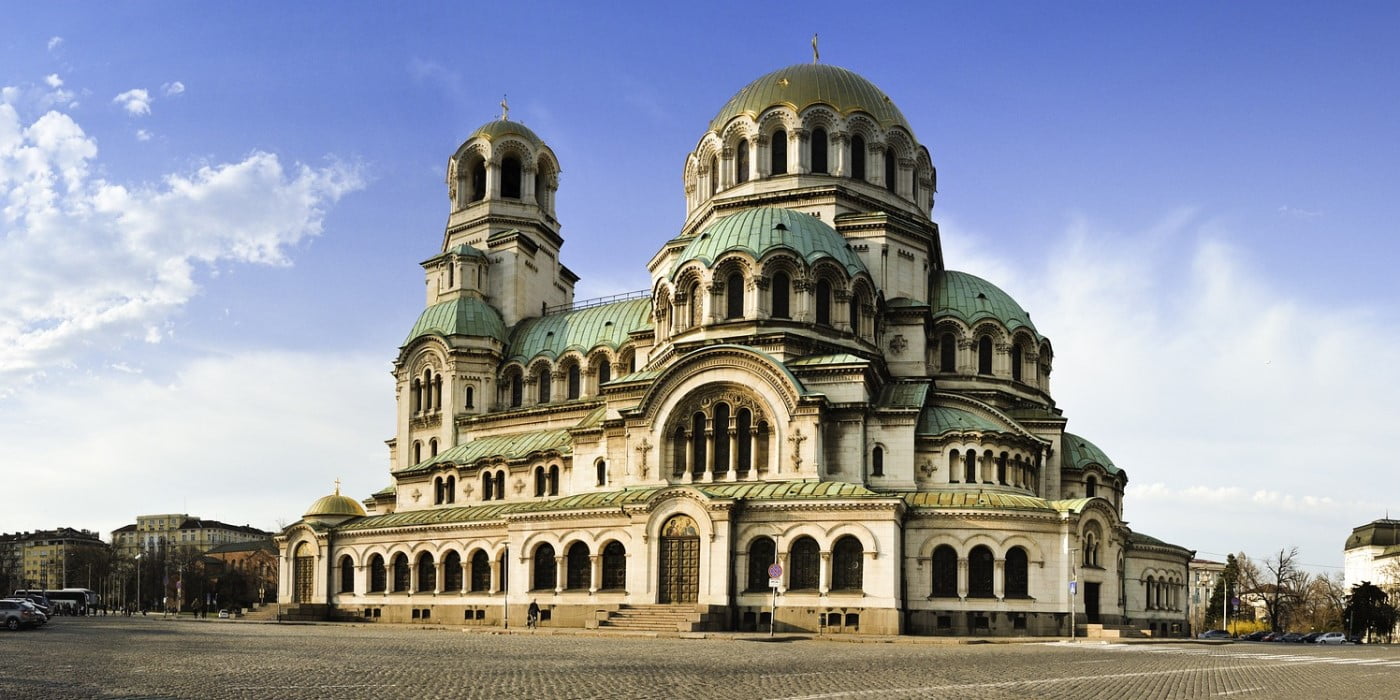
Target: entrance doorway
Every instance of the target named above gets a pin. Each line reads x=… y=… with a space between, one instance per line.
x=303 y=572
x=680 y=561
x=1091 y=601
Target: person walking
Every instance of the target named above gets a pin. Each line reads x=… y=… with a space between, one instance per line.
x=532 y=616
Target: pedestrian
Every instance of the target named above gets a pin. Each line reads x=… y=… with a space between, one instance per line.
x=532 y=616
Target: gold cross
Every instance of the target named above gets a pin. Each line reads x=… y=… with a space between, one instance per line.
x=505 y=109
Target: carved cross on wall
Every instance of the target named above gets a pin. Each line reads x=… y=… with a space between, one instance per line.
x=519 y=485
x=417 y=495
x=643 y=448
x=796 y=438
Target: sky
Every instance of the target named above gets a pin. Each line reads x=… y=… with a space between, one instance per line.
x=212 y=215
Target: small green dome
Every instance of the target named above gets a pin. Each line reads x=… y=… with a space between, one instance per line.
x=501 y=128
x=806 y=84
x=461 y=316
x=335 y=505
x=758 y=231
x=1078 y=453
x=970 y=299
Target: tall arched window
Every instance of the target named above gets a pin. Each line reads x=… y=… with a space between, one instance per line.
x=741 y=161
x=554 y=480
x=1001 y=468
x=678 y=448
x=401 y=572
x=604 y=372
x=437 y=392
x=984 y=355
x=734 y=296
x=1016 y=363
x=488 y=487
x=432 y=447
x=542 y=382
x=614 y=567
x=347 y=574
x=846 y=564
x=853 y=314
x=779 y=153
x=1017 y=573
x=500 y=486
x=452 y=572
x=720 y=428
x=574 y=382
x=541 y=186
x=858 y=156
x=945 y=572
x=762 y=554
x=479 y=181
x=804 y=561
x=1091 y=487
x=781 y=295
x=877 y=461
x=891 y=162
x=417 y=452
x=451 y=275
x=970 y=467
x=541 y=481
x=378 y=577
x=545 y=569
x=578 y=568
x=416 y=395
x=517 y=390
x=427 y=573
x=693 y=293
x=602 y=471
x=820 y=143
x=947 y=353
x=481 y=571
x=510 y=177
x=979 y=572
x=471 y=398
x=697 y=441
x=714 y=175
x=823 y=302
x=743 y=434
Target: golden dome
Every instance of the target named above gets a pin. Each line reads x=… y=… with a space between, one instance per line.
x=335 y=505
x=806 y=84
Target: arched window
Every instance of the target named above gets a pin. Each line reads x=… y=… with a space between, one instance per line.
x=779 y=153
x=427 y=573
x=947 y=353
x=500 y=486
x=417 y=452
x=451 y=275
x=820 y=143
x=451 y=486
x=877 y=461
x=432 y=447
x=824 y=302
x=743 y=434
x=437 y=491
x=714 y=175
x=945 y=572
x=541 y=481
x=604 y=372
x=693 y=294
x=891 y=183
x=545 y=569
x=510 y=177
x=984 y=355
x=481 y=571
x=762 y=554
x=1001 y=468
x=804 y=561
x=452 y=572
x=488 y=487
x=542 y=382
x=781 y=294
x=954 y=466
x=979 y=572
x=721 y=438
x=846 y=564
x=427 y=390
x=471 y=398
x=734 y=296
x=401 y=572
x=517 y=390
x=741 y=161
x=416 y=395
x=1017 y=573
x=479 y=181
x=697 y=442
x=578 y=568
x=602 y=469
x=614 y=567
x=378 y=577
x=1091 y=487
x=1016 y=363
x=853 y=313
x=574 y=382
x=970 y=467
x=437 y=392
x=554 y=480
x=678 y=447
x=541 y=187
x=858 y=156
x=347 y=575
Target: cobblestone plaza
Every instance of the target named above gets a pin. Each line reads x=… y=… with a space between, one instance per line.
x=151 y=657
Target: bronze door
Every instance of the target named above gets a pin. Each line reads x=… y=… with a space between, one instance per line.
x=680 y=562
x=1091 y=602
x=302 y=580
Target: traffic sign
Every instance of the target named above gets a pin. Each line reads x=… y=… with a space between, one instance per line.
x=775 y=570
x=1072 y=586
x=775 y=582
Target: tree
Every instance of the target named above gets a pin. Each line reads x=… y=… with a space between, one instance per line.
x=1279 y=585
x=1370 y=611
x=1228 y=581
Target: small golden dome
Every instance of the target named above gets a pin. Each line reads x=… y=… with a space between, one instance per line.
x=335 y=505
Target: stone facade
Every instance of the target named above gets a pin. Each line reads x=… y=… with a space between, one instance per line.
x=804 y=383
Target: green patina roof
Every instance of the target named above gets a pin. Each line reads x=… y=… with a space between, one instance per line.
x=806 y=84
x=501 y=128
x=756 y=232
x=969 y=499
x=461 y=316
x=513 y=446
x=1072 y=505
x=389 y=490
x=581 y=330
x=903 y=394
x=937 y=420
x=1139 y=538
x=462 y=249
x=970 y=299
x=844 y=358
x=1078 y=453
x=639 y=376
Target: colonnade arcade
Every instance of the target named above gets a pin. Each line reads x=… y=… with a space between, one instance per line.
x=738 y=289
x=719 y=435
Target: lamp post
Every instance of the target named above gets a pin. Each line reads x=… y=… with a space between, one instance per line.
x=138 y=581
x=1073 y=589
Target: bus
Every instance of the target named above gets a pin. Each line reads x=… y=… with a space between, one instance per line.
x=69 y=601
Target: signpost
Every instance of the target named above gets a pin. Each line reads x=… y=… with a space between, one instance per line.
x=775 y=579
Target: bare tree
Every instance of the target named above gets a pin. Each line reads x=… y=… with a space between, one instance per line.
x=1278 y=584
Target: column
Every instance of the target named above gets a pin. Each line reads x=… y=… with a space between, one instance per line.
x=440 y=567
x=962 y=577
x=709 y=456
x=763 y=163
x=840 y=155
x=595 y=573
x=560 y=564
x=689 y=457
x=999 y=578
x=824 y=574
x=465 y=566
x=733 y=452
x=799 y=152
x=527 y=182
x=753 y=449
x=493 y=179
x=412 y=576
x=495 y=585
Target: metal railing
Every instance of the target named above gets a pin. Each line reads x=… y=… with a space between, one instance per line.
x=599 y=301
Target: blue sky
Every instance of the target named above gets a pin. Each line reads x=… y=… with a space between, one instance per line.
x=213 y=216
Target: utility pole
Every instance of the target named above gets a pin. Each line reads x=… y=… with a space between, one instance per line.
x=1073 y=589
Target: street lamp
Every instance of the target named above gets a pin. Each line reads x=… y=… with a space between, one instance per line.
x=1073 y=588
x=138 y=581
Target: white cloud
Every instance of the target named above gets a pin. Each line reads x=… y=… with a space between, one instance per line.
x=172 y=89
x=53 y=80
x=89 y=262
x=143 y=135
x=136 y=102
x=1246 y=415
x=1299 y=213
x=55 y=42
x=226 y=438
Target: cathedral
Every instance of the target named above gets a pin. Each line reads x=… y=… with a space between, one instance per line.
x=808 y=422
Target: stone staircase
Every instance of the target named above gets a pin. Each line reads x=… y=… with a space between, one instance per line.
x=305 y=612
x=1100 y=631
x=652 y=618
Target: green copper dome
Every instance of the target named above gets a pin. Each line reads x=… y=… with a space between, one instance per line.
x=758 y=231
x=806 y=84
x=970 y=299
x=582 y=330
x=462 y=316
x=502 y=128
x=1078 y=453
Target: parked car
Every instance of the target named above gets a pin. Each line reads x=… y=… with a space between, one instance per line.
x=223 y=614
x=41 y=616
x=1332 y=638
x=1214 y=634
x=1310 y=637
x=1292 y=637
x=15 y=615
x=1255 y=636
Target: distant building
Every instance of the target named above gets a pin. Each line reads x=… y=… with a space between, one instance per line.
x=256 y=560
x=1372 y=553
x=152 y=532
x=56 y=558
x=1204 y=577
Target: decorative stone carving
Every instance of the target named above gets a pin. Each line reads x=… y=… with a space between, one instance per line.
x=898 y=344
x=642 y=449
